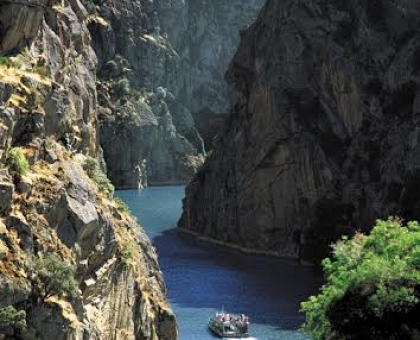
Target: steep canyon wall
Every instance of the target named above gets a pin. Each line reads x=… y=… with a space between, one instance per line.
x=60 y=202
x=323 y=136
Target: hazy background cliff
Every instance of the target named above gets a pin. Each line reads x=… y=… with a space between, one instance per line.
x=323 y=137
x=54 y=197
x=161 y=67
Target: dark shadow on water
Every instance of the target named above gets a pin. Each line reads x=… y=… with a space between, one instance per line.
x=269 y=290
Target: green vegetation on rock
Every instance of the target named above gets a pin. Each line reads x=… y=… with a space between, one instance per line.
x=94 y=171
x=123 y=87
x=127 y=254
x=10 y=317
x=122 y=206
x=4 y=60
x=372 y=289
x=53 y=276
x=17 y=161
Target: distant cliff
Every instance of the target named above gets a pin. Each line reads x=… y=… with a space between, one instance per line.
x=147 y=135
x=211 y=37
x=54 y=197
x=324 y=133
x=160 y=82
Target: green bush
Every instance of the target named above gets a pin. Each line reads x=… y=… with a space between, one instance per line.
x=372 y=289
x=17 y=161
x=4 y=60
x=12 y=318
x=94 y=171
x=122 y=206
x=127 y=254
x=53 y=276
x=123 y=87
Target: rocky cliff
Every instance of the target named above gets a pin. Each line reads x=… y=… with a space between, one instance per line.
x=324 y=132
x=146 y=134
x=160 y=82
x=56 y=200
x=211 y=38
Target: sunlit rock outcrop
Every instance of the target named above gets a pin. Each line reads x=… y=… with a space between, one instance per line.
x=54 y=198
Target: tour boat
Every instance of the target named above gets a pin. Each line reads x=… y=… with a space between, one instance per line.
x=227 y=325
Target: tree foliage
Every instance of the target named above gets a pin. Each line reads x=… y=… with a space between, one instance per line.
x=53 y=276
x=372 y=289
x=12 y=318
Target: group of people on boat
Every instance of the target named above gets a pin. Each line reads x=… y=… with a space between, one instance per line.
x=226 y=317
x=227 y=325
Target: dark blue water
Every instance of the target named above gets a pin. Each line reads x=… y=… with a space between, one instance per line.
x=202 y=278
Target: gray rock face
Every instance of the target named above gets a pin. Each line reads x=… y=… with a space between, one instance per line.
x=205 y=34
x=17 y=34
x=324 y=132
x=144 y=144
x=177 y=48
x=6 y=193
x=212 y=37
x=138 y=68
x=7 y=118
x=48 y=89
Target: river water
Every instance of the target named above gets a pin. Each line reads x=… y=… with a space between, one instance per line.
x=202 y=278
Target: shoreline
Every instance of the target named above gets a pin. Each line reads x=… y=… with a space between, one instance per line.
x=241 y=249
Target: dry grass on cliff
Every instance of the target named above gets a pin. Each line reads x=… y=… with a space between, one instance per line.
x=126 y=230
x=32 y=208
x=25 y=77
x=12 y=256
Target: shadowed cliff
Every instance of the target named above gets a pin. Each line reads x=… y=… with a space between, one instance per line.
x=324 y=130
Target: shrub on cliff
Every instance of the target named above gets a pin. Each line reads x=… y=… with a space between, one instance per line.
x=122 y=206
x=11 y=318
x=123 y=87
x=127 y=254
x=94 y=171
x=373 y=287
x=17 y=161
x=53 y=276
x=4 y=60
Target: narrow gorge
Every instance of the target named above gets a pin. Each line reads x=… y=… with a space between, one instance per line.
x=292 y=123
x=129 y=89
x=323 y=136
x=161 y=87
